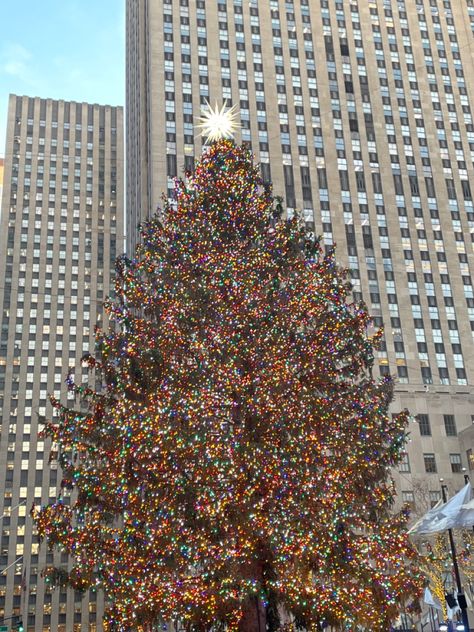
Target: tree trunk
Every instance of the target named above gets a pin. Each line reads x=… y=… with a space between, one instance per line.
x=253 y=616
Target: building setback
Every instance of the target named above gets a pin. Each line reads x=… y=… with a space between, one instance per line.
x=360 y=114
x=61 y=229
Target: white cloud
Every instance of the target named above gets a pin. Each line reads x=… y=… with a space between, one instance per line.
x=14 y=60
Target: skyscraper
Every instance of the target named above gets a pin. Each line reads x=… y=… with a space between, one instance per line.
x=1 y=181
x=360 y=114
x=61 y=228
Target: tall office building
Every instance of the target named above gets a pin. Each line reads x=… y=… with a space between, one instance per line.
x=360 y=114
x=1 y=182
x=61 y=228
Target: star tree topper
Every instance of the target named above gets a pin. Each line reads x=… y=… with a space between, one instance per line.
x=218 y=124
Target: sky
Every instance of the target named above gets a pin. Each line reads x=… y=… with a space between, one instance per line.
x=62 y=49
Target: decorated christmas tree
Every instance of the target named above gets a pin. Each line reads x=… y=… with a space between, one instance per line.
x=232 y=470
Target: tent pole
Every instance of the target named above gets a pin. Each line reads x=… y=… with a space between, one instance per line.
x=457 y=575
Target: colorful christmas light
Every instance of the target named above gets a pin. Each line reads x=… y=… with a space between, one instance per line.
x=239 y=450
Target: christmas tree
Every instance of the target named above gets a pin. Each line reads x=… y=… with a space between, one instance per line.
x=233 y=468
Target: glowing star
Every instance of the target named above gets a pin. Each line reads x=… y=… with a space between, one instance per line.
x=217 y=124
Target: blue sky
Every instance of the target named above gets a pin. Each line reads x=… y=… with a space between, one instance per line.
x=63 y=49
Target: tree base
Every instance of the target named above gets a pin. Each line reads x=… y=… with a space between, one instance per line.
x=253 y=616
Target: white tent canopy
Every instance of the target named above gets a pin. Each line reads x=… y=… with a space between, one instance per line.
x=457 y=513
x=430 y=600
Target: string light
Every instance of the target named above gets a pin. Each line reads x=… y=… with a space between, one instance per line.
x=239 y=447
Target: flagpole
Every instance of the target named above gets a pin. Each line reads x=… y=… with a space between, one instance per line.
x=462 y=601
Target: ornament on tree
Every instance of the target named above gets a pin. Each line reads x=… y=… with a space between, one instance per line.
x=234 y=467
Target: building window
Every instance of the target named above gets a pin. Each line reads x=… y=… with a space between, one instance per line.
x=344 y=178
x=456 y=465
x=470 y=459
x=426 y=375
x=451 y=189
x=408 y=497
x=430 y=463
x=435 y=497
x=404 y=465
x=425 y=427
x=171 y=167
x=360 y=181
x=450 y=425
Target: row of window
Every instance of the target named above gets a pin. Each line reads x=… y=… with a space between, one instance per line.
x=425 y=425
x=429 y=459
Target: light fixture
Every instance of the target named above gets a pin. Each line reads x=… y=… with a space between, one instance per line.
x=460 y=627
x=443 y=627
